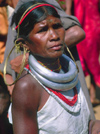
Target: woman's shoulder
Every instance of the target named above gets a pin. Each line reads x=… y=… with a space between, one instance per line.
x=26 y=90
x=25 y=81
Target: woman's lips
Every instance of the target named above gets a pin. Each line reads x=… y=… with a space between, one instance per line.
x=57 y=47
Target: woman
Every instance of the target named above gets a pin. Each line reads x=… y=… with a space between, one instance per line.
x=47 y=98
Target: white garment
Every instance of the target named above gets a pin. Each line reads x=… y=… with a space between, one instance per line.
x=54 y=119
x=10 y=11
x=10 y=114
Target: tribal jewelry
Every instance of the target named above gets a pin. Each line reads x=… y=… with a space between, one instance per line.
x=72 y=107
x=54 y=64
x=22 y=67
x=57 y=81
x=25 y=14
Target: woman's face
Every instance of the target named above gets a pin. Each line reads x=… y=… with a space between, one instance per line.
x=47 y=38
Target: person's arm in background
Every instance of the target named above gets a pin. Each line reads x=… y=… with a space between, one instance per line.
x=17 y=62
x=74 y=35
x=68 y=5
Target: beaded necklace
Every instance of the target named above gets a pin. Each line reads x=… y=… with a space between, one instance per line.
x=55 y=65
x=69 y=102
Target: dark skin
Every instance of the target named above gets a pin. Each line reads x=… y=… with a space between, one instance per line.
x=28 y=95
x=25 y=108
x=73 y=35
x=46 y=36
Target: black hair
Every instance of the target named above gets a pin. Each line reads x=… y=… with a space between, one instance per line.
x=33 y=17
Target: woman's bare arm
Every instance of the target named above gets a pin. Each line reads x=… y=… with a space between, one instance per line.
x=25 y=102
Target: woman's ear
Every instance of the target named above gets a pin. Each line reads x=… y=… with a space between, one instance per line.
x=26 y=46
x=21 y=43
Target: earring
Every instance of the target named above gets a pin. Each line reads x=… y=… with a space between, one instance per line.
x=72 y=57
x=22 y=66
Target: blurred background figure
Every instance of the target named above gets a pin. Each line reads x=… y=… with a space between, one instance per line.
x=3 y=31
x=88 y=14
x=5 y=126
x=5 y=13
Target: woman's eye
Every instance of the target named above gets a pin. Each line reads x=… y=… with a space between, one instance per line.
x=57 y=26
x=43 y=29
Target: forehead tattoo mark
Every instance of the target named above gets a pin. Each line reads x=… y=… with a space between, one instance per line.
x=50 y=20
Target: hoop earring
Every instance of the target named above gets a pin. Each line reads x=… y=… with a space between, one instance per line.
x=22 y=66
x=72 y=57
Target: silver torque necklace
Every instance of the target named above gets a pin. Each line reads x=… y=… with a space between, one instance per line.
x=56 y=81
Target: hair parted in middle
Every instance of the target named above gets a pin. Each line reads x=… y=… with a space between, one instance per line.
x=34 y=13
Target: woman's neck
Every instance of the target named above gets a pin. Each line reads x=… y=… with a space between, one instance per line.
x=51 y=64
x=54 y=66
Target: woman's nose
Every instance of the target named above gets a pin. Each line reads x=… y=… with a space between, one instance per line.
x=53 y=34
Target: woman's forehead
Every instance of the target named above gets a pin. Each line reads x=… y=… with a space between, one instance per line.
x=49 y=20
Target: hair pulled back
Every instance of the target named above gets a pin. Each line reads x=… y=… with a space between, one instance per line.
x=35 y=16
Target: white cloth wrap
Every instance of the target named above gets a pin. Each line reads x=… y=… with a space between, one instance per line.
x=54 y=119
